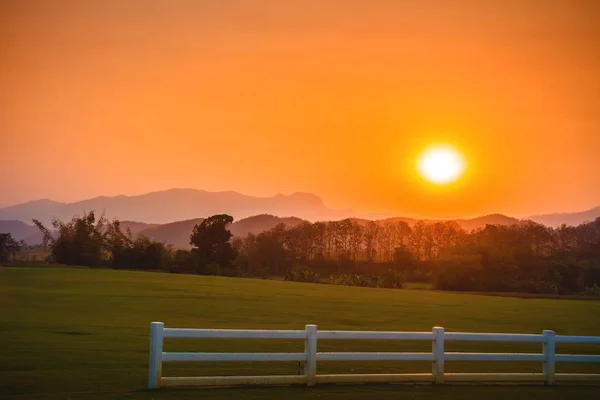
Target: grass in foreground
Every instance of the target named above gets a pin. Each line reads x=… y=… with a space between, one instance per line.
x=83 y=333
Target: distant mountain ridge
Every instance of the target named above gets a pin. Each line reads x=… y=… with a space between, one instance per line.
x=21 y=231
x=178 y=205
x=573 y=218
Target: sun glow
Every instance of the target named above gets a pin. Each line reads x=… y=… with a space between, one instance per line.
x=440 y=164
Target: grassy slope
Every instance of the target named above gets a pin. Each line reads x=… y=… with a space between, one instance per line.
x=81 y=333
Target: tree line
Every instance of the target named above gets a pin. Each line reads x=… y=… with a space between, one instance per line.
x=527 y=257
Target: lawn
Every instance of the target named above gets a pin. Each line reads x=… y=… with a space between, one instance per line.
x=83 y=333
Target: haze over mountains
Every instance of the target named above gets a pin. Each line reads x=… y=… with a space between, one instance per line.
x=177 y=205
x=170 y=215
x=573 y=218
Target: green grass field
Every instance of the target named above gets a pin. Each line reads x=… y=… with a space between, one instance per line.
x=83 y=333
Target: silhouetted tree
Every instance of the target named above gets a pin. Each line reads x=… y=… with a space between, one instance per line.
x=149 y=255
x=269 y=253
x=371 y=238
x=211 y=242
x=80 y=241
x=119 y=245
x=9 y=247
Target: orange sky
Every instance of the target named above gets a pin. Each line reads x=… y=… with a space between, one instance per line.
x=334 y=98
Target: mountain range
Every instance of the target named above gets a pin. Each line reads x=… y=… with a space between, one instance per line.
x=573 y=218
x=178 y=205
x=170 y=215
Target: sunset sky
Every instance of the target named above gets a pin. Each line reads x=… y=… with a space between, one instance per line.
x=336 y=98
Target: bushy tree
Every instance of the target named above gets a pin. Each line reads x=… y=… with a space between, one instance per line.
x=211 y=242
x=81 y=241
x=181 y=262
x=90 y=242
x=9 y=247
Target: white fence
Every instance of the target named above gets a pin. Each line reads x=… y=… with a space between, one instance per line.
x=310 y=356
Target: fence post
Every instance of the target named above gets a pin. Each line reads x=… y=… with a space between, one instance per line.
x=437 y=348
x=310 y=348
x=156 y=344
x=549 y=350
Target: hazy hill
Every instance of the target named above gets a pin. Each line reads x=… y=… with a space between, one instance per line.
x=42 y=209
x=574 y=218
x=136 y=227
x=492 y=219
x=178 y=233
x=409 y=221
x=178 y=205
x=261 y=223
x=467 y=224
x=20 y=230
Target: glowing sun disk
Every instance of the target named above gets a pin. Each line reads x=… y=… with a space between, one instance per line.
x=440 y=164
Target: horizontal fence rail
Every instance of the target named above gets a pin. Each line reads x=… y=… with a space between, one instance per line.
x=231 y=334
x=493 y=337
x=438 y=356
x=233 y=357
x=374 y=335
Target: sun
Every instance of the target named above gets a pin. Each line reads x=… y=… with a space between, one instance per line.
x=440 y=164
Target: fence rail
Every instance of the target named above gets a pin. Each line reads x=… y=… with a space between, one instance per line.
x=438 y=356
